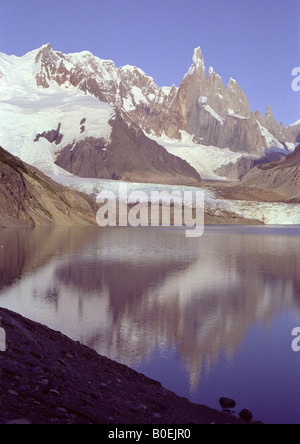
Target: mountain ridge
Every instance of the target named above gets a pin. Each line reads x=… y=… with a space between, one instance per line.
x=219 y=101
x=211 y=114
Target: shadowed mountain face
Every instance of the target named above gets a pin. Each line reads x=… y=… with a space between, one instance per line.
x=129 y=155
x=282 y=175
x=28 y=197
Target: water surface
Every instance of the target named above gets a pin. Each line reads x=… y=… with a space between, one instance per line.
x=207 y=317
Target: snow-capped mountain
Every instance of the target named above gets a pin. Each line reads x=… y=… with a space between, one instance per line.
x=47 y=117
x=84 y=115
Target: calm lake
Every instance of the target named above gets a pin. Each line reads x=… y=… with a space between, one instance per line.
x=207 y=317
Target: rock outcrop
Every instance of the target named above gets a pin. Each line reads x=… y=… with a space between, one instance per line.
x=282 y=176
x=29 y=198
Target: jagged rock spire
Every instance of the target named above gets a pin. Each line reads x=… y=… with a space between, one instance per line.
x=197 y=69
x=270 y=120
x=197 y=56
x=269 y=113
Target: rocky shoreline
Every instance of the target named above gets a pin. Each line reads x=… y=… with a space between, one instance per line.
x=47 y=378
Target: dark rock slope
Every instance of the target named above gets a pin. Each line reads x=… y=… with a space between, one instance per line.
x=28 y=197
x=46 y=378
x=282 y=176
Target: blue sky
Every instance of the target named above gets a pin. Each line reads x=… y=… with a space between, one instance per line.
x=257 y=42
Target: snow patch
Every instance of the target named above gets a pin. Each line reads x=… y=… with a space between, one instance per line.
x=128 y=104
x=132 y=69
x=295 y=123
x=167 y=89
x=203 y=99
x=214 y=114
x=291 y=146
x=233 y=114
x=138 y=96
x=270 y=139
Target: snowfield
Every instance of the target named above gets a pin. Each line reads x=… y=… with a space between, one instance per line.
x=27 y=110
x=205 y=159
x=21 y=120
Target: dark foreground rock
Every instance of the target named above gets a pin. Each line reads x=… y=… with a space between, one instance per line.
x=47 y=378
x=227 y=403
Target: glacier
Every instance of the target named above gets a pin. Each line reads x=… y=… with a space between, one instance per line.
x=270 y=213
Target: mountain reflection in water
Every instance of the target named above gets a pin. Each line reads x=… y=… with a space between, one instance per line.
x=128 y=292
